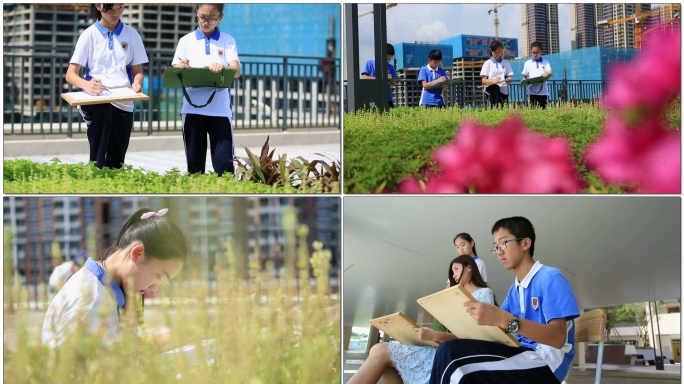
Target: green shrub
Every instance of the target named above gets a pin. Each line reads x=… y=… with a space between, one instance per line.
x=380 y=150
x=25 y=176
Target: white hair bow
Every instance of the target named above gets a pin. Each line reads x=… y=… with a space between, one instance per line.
x=147 y=215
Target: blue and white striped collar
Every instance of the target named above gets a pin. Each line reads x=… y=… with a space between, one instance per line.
x=200 y=35
x=102 y=29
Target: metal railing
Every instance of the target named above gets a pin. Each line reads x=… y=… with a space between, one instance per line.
x=273 y=92
x=468 y=94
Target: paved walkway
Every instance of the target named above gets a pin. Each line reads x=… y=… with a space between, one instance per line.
x=612 y=374
x=170 y=153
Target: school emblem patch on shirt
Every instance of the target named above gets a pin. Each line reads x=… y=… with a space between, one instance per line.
x=535 y=303
x=220 y=52
x=124 y=46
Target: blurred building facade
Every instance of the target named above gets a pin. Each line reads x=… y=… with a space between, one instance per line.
x=253 y=224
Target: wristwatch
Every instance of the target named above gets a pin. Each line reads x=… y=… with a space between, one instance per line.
x=514 y=325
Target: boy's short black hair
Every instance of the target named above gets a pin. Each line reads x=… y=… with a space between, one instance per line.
x=519 y=227
x=390 y=49
x=496 y=44
x=435 y=54
x=538 y=45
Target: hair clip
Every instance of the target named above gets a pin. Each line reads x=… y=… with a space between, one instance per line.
x=161 y=213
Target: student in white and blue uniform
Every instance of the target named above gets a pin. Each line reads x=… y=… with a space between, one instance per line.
x=496 y=74
x=429 y=76
x=465 y=245
x=148 y=250
x=535 y=67
x=369 y=72
x=539 y=309
x=112 y=54
x=207 y=47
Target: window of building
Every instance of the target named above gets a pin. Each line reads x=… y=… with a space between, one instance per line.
x=673 y=309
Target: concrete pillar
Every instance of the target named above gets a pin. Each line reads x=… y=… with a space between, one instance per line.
x=347 y=336
x=372 y=338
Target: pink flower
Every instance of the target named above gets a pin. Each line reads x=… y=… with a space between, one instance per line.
x=652 y=79
x=507 y=159
x=647 y=156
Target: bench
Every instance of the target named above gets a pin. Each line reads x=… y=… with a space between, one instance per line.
x=590 y=328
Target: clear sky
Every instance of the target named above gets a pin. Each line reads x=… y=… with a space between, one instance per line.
x=408 y=23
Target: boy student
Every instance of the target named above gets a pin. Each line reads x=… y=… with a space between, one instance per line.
x=535 y=67
x=207 y=47
x=112 y=54
x=539 y=309
x=496 y=74
x=431 y=75
x=369 y=71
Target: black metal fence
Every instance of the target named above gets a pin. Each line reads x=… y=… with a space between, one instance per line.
x=466 y=94
x=273 y=92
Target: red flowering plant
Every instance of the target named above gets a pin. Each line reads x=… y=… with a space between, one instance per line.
x=637 y=149
x=509 y=158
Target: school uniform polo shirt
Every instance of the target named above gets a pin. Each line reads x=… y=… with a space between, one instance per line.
x=109 y=55
x=431 y=96
x=89 y=298
x=533 y=68
x=369 y=69
x=203 y=50
x=502 y=68
x=543 y=295
x=481 y=267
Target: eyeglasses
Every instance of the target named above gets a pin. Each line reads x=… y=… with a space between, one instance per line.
x=502 y=245
x=205 y=20
x=536 y=53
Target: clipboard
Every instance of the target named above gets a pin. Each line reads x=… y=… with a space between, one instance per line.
x=400 y=328
x=447 y=307
x=198 y=77
x=113 y=95
x=439 y=85
x=535 y=80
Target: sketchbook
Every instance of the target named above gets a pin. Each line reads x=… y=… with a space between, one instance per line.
x=400 y=328
x=198 y=77
x=535 y=80
x=438 y=85
x=110 y=95
x=447 y=307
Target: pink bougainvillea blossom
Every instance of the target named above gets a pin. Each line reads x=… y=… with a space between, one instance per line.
x=647 y=156
x=652 y=79
x=509 y=158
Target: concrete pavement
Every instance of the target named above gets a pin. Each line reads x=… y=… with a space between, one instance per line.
x=163 y=153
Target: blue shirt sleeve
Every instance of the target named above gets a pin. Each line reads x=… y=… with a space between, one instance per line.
x=392 y=71
x=442 y=72
x=422 y=75
x=560 y=302
x=369 y=68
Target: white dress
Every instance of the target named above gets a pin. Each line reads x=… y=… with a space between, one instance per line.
x=413 y=362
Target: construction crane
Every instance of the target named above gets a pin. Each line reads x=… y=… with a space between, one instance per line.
x=496 y=19
x=388 y=6
x=638 y=19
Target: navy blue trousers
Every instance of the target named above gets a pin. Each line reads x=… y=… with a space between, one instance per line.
x=109 y=132
x=195 y=131
x=465 y=361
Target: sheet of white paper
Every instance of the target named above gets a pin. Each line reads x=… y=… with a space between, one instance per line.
x=111 y=93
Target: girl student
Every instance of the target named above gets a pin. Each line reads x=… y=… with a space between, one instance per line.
x=465 y=245
x=148 y=250
x=207 y=47
x=112 y=54
x=496 y=74
x=412 y=364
